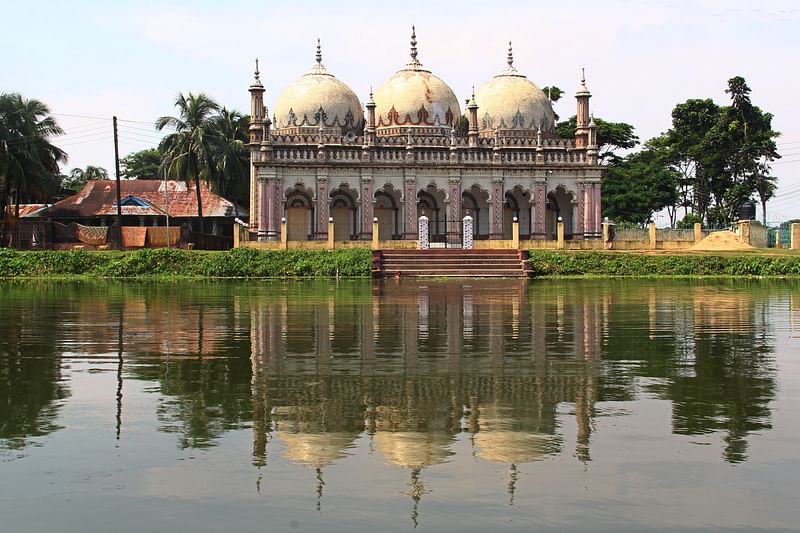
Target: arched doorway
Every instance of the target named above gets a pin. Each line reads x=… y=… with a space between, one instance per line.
x=510 y=210
x=430 y=206
x=343 y=212
x=469 y=206
x=298 y=215
x=560 y=204
x=387 y=213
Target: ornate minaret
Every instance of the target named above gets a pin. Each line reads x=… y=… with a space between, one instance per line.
x=591 y=148
x=258 y=113
x=472 y=108
x=369 y=132
x=583 y=117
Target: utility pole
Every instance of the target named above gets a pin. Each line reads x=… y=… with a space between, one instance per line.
x=119 y=194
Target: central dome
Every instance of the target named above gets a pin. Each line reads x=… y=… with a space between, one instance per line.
x=510 y=101
x=415 y=98
x=318 y=99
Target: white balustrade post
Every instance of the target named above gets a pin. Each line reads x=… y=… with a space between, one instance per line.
x=466 y=238
x=423 y=233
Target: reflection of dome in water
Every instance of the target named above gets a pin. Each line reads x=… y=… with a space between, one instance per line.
x=413 y=449
x=316 y=449
x=307 y=442
x=502 y=439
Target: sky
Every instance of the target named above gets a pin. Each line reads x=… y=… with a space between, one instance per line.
x=91 y=60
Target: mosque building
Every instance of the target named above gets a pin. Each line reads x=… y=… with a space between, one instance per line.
x=320 y=158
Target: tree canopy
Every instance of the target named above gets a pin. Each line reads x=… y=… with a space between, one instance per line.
x=141 y=165
x=29 y=162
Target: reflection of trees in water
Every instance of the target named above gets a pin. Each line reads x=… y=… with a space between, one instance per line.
x=432 y=359
x=710 y=348
x=31 y=384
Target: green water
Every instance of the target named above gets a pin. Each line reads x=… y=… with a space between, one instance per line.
x=478 y=405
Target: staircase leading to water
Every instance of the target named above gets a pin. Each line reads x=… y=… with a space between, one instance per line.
x=451 y=263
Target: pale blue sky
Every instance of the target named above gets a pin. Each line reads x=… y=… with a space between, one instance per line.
x=99 y=59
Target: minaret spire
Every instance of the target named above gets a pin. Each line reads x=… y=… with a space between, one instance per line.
x=318 y=67
x=257 y=73
x=414 y=61
x=510 y=70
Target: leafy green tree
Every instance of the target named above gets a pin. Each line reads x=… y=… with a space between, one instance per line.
x=142 y=165
x=28 y=160
x=724 y=153
x=611 y=136
x=230 y=154
x=188 y=152
x=640 y=184
x=79 y=176
x=553 y=92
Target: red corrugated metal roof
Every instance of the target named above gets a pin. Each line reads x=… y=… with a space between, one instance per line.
x=99 y=197
x=24 y=209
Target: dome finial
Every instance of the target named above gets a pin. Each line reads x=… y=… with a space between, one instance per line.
x=257 y=73
x=510 y=70
x=414 y=61
x=318 y=67
x=583 y=75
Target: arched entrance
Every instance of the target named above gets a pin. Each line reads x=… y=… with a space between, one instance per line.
x=387 y=213
x=298 y=215
x=343 y=212
x=475 y=202
x=559 y=204
x=429 y=203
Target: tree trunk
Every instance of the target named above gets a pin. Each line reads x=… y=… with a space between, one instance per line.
x=763 y=211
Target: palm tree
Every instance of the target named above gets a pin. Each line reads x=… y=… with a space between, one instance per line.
x=231 y=156
x=28 y=161
x=188 y=153
x=79 y=176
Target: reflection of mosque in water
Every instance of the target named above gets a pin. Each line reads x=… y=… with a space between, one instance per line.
x=413 y=369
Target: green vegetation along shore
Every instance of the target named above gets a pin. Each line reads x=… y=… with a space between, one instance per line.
x=168 y=263
x=356 y=263
x=548 y=263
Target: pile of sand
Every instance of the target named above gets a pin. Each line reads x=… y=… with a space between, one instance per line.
x=722 y=240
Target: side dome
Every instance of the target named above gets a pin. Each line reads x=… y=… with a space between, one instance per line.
x=318 y=99
x=510 y=101
x=415 y=98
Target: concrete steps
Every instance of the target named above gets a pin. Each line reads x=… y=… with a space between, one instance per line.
x=450 y=263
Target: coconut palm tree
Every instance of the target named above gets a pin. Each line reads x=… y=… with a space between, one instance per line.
x=28 y=160
x=188 y=152
x=231 y=156
x=79 y=176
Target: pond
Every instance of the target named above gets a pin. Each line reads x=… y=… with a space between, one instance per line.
x=465 y=405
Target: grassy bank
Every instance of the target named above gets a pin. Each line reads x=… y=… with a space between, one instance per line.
x=238 y=263
x=548 y=263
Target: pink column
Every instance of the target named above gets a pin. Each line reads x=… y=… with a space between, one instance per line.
x=588 y=207
x=322 y=202
x=597 y=210
x=366 y=210
x=263 y=208
x=579 y=228
x=496 y=210
x=540 y=206
x=454 y=206
x=410 y=209
x=275 y=208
